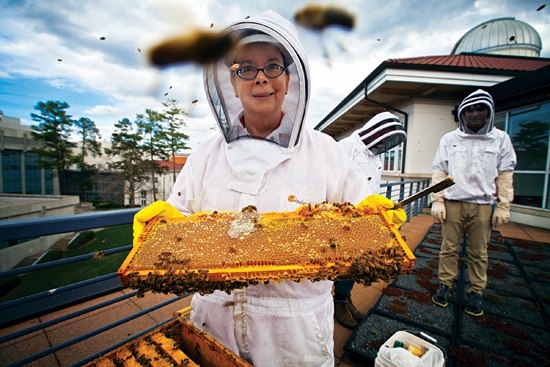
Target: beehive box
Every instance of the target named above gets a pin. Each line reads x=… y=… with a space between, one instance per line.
x=228 y=250
x=178 y=343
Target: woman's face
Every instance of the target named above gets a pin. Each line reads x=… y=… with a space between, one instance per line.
x=260 y=95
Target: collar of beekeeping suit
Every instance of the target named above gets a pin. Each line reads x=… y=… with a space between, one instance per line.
x=251 y=158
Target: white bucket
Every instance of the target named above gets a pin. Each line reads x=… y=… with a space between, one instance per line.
x=388 y=356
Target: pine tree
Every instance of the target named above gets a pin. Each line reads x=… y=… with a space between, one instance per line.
x=173 y=138
x=128 y=157
x=53 y=131
x=150 y=129
x=90 y=145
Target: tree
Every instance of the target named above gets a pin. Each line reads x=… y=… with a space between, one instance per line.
x=53 y=131
x=150 y=129
x=174 y=140
x=90 y=140
x=125 y=145
x=90 y=144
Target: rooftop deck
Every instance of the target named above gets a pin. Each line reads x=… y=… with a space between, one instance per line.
x=72 y=325
x=15 y=350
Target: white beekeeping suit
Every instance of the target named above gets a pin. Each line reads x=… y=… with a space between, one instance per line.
x=289 y=323
x=481 y=159
x=365 y=145
x=476 y=160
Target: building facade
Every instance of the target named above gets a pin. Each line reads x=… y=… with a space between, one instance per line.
x=19 y=172
x=425 y=91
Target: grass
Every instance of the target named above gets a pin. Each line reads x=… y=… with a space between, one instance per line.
x=46 y=279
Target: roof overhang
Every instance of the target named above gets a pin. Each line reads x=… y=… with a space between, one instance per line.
x=392 y=88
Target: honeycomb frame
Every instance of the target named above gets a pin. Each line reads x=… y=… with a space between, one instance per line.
x=169 y=272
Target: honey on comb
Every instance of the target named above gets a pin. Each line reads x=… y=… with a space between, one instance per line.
x=229 y=250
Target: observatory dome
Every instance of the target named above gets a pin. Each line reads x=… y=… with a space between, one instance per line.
x=501 y=36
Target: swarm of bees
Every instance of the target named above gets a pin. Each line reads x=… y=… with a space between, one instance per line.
x=222 y=251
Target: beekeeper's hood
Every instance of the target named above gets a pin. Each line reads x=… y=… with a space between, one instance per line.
x=381 y=133
x=227 y=107
x=479 y=96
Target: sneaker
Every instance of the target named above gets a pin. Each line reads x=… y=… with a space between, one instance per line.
x=441 y=296
x=473 y=308
x=343 y=315
x=357 y=315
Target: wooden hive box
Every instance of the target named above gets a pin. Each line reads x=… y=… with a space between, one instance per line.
x=178 y=343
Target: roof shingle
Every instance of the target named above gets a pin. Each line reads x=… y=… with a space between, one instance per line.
x=498 y=62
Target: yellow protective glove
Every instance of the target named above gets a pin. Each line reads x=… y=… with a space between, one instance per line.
x=382 y=204
x=158 y=209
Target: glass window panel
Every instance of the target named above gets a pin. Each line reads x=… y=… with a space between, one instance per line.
x=528 y=189
x=11 y=171
x=48 y=182
x=32 y=174
x=500 y=121
x=528 y=129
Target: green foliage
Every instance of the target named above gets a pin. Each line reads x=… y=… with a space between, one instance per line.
x=104 y=205
x=7 y=284
x=53 y=132
x=149 y=126
x=89 y=145
x=81 y=239
x=127 y=156
x=173 y=138
x=90 y=139
x=51 y=255
x=45 y=279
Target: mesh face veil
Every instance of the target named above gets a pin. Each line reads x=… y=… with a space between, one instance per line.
x=478 y=97
x=268 y=27
x=383 y=132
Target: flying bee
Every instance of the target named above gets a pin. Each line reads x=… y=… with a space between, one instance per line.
x=199 y=46
x=319 y=17
x=98 y=255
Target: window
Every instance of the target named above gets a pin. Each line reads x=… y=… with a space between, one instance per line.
x=392 y=159
x=32 y=174
x=143 y=198
x=11 y=171
x=529 y=130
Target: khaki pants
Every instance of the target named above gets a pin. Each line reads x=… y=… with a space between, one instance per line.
x=475 y=221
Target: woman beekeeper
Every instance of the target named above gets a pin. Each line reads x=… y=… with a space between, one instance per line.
x=259 y=94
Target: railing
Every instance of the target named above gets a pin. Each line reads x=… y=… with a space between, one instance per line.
x=15 y=311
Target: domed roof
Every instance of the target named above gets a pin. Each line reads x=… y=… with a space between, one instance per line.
x=503 y=36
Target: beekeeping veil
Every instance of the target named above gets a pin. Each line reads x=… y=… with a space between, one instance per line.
x=479 y=96
x=383 y=132
x=227 y=107
x=250 y=157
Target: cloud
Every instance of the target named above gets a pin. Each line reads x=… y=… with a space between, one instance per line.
x=119 y=83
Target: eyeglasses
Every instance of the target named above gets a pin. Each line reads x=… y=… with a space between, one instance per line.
x=249 y=72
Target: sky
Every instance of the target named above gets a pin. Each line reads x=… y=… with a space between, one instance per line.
x=110 y=79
